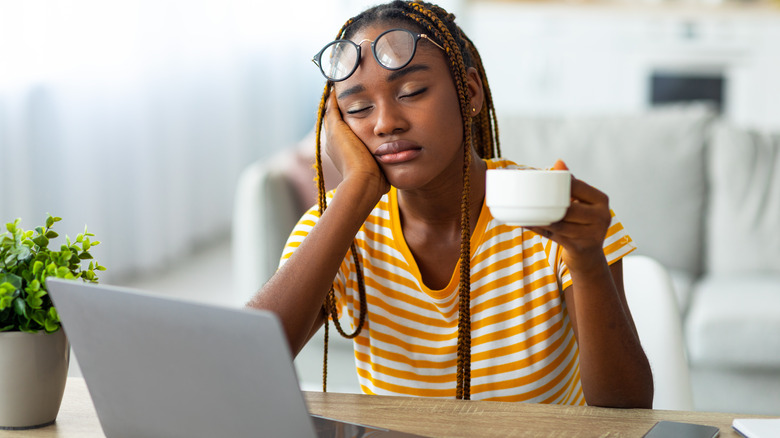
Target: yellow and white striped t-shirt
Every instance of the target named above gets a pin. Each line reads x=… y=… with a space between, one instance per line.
x=522 y=341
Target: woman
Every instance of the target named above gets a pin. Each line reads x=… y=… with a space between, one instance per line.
x=442 y=299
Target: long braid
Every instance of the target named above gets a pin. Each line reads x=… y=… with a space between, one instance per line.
x=329 y=308
x=483 y=128
x=463 y=363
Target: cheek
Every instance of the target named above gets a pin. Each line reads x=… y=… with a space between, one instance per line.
x=452 y=119
x=361 y=128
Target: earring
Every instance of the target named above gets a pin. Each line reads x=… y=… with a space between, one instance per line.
x=473 y=109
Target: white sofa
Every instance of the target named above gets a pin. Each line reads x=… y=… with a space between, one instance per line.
x=696 y=194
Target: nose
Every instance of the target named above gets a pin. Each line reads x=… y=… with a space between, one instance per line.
x=390 y=120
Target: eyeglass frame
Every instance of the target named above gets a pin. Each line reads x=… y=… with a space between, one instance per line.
x=317 y=59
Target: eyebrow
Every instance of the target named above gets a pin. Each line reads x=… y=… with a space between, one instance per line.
x=350 y=91
x=395 y=75
x=407 y=70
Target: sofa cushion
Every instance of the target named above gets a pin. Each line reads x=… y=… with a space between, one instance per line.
x=744 y=212
x=651 y=165
x=734 y=321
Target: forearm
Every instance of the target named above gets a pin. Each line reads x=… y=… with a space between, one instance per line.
x=297 y=290
x=613 y=367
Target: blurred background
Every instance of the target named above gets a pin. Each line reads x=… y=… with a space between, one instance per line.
x=136 y=118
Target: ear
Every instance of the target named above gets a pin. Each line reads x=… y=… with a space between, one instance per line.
x=476 y=92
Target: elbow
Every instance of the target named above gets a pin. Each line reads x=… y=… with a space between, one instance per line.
x=636 y=392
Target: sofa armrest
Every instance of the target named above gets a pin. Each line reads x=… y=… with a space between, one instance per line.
x=734 y=320
x=651 y=298
x=265 y=211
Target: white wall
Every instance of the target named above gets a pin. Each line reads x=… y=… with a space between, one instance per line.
x=135 y=118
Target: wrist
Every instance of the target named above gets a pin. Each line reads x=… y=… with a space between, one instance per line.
x=592 y=262
x=363 y=192
x=369 y=185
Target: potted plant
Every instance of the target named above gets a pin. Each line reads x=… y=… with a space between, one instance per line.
x=34 y=352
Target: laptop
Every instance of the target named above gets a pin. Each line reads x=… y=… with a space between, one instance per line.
x=164 y=367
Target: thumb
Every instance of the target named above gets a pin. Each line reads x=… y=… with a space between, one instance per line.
x=560 y=165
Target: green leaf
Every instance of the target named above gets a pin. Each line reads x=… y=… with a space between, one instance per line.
x=14 y=280
x=5 y=302
x=85 y=256
x=34 y=286
x=53 y=315
x=20 y=307
x=49 y=221
x=51 y=234
x=37 y=267
x=51 y=326
x=12 y=226
x=34 y=299
x=41 y=241
x=39 y=316
x=62 y=271
x=7 y=328
x=6 y=289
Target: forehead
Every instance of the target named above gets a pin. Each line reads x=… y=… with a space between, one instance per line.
x=373 y=30
x=426 y=51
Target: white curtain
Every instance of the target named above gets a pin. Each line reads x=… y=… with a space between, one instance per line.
x=136 y=117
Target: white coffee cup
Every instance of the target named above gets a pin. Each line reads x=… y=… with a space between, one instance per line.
x=528 y=197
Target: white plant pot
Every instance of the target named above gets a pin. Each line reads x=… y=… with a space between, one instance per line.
x=33 y=372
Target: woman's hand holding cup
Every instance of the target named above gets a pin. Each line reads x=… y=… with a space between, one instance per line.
x=575 y=215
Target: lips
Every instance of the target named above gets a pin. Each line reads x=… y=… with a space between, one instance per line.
x=397 y=152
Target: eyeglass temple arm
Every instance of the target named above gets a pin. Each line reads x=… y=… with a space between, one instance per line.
x=422 y=35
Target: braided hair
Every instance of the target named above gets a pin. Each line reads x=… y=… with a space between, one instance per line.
x=480 y=132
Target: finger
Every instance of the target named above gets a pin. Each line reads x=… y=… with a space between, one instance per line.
x=543 y=231
x=332 y=113
x=330 y=104
x=580 y=213
x=584 y=192
x=560 y=165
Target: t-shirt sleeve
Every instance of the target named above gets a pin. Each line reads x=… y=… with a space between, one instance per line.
x=299 y=233
x=617 y=244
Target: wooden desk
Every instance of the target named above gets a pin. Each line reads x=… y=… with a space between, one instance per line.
x=428 y=417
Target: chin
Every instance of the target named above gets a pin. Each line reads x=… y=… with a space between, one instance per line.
x=406 y=179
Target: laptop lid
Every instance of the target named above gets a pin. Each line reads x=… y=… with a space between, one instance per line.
x=159 y=367
x=164 y=367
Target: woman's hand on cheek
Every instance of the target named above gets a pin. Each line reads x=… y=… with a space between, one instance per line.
x=583 y=229
x=349 y=154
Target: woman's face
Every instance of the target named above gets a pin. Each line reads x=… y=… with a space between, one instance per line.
x=410 y=118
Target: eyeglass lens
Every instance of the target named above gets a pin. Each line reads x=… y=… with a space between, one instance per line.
x=393 y=50
x=338 y=60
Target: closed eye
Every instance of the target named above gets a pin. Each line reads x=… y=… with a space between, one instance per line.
x=415 y=93
x=357 y=111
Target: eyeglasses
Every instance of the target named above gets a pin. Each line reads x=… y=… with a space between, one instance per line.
x=393 y=49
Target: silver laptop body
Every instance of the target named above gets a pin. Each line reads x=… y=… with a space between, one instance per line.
x=162 y=367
